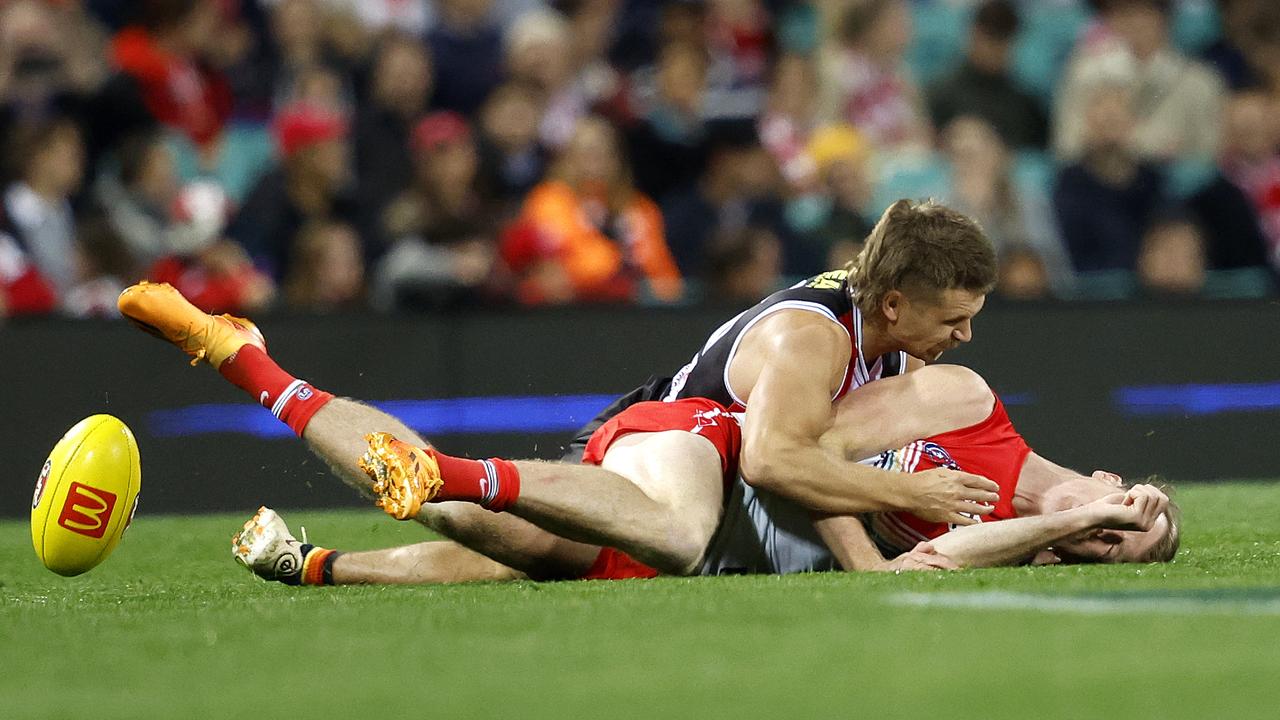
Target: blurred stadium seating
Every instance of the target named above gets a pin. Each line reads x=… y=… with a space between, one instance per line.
x=690 y=91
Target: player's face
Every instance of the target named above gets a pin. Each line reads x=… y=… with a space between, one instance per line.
x=1113 y=546
x=1101 y=546
x=927 y=326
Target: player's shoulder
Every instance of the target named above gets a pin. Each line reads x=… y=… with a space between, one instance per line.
x=829 y=280
x=796 y=330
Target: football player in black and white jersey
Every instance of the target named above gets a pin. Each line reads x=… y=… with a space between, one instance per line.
x=912 y=295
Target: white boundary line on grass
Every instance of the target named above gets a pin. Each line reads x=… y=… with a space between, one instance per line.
x=1086 y=605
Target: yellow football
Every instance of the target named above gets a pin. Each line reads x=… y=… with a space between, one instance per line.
x=86 y=495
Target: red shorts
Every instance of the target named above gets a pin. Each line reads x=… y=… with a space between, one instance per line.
x=613 y=564
x=699 y=416
x=706 y=418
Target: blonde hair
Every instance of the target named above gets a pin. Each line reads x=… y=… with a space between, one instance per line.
x=921 y=247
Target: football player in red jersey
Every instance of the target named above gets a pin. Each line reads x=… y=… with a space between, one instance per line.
x=1046 y=513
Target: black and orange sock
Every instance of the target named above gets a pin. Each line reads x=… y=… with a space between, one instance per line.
x=291 y=400
x=317 y=565
x=492 y=483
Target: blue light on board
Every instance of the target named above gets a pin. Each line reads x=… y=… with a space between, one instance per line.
x=538 y=414
x=566 y=413
x=1197 y=399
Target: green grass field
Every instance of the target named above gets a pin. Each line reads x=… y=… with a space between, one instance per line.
x=170 y=627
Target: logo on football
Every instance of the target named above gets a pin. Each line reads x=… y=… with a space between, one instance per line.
x=40 y=481
x=87 y=510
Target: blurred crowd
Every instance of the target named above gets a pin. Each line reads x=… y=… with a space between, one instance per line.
x=320 y=155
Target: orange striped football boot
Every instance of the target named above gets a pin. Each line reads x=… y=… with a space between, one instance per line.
x=404 y=476
x=161 y=310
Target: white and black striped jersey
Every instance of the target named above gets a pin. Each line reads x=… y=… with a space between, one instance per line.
x=707 y=374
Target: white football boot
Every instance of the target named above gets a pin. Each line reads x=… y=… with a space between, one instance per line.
x=266 y=547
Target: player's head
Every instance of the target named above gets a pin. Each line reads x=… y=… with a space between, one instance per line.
x=1159 y=544
x=923 y=274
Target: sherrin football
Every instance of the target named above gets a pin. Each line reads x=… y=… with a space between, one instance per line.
x=86 y=495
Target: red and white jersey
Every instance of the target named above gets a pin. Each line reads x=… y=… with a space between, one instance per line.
x=763 y=533
x=992 y=449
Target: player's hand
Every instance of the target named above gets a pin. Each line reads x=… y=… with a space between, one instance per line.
x=1136 y=509
x=950 y=496
x=922 y=557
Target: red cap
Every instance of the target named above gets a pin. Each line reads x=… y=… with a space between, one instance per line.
x=440 y=128
x=301 y=126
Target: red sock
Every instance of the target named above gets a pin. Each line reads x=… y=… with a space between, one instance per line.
x=291 y=400
x=493 y=483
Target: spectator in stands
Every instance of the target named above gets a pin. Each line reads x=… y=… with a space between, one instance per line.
x=983 y=87
x=327 y=273
x=1105 y=201
x=1251 y=160
x=302 y=51
x=103 y=266
x=862 y=81
x=164 y=56
x=1246 y=26
x=512 y=160
x=982 y=185
x=23 y=289
x=412 y=17
x=399 y=89
x=312 y=183
x=443 y=227
x=669 y=145
x=51 y=58
x=827 y=223
x=48 y=160
x=218 y=278
x=739 y=40
x=1022 y=275
x=790 y=117
x=1177 y=100
x=1172 y=259
x=1228 y=218
x=214 y=273
x=740 y=189
x=746 y=264
x=543 y=49
x=466 y=46
x=587 y=233
x=137 y=195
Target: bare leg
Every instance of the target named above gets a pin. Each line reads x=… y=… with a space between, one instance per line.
x=423 y=563
x=890 y=413
x=336 y=434
x=657 y=496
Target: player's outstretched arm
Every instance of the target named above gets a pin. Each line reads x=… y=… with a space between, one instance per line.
x=1010 y=542
x=800 y=360
x=853 y=549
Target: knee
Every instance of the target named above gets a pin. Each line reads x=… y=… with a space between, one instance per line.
x=448 y=519
x=958 y=387
x=684 y=545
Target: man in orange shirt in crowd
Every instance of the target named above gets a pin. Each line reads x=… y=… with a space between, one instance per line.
x=587 y=233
